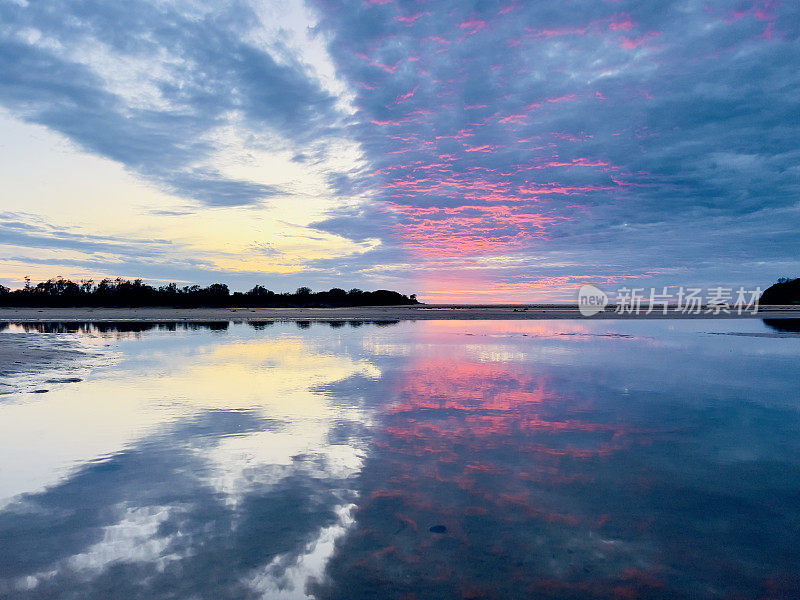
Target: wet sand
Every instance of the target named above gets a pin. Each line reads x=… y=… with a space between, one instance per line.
x=37 y=362
x=366 y=313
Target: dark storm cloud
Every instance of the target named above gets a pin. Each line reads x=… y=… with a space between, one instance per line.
x=209 y=73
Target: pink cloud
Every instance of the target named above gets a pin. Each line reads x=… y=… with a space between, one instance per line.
x=548 y=33
x=484 y=148
x=566 y=98
x=763 y=10
x=633 y=43
x=565 y=190
x=388 y=68
x=623 y=23
x=586 y=162
x=465 y=230
x=473 y=25
x=582 y=137
x=407 y=96
x=575 y=162
x=409 y=19
x=514 y=119
x=387 y=122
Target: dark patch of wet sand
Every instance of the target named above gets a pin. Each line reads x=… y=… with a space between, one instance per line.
x=34 y=362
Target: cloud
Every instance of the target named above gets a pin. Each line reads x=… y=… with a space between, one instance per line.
x=634 y=127
x=148 y=85
x=29 y=231
x=487 y=133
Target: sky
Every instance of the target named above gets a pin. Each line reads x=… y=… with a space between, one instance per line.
x=466 y=151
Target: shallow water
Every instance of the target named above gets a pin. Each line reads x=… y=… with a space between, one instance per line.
x=436 y=459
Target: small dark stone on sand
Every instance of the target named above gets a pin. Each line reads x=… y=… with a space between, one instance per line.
x=40 y=391
x=438 y=529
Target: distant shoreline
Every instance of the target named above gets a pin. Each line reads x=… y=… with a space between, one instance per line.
x=417 y=312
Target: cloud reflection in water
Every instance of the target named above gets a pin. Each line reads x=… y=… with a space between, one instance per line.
x=204 y=467
x=422 y=460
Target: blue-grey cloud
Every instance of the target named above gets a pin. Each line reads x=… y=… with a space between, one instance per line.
x=27 y=231
x=630 y=129
x=603 y=139
x=210 y=72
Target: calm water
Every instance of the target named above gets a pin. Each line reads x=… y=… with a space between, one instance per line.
x=420 y=460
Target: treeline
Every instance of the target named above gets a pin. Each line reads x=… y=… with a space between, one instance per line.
x=136 y=327
x=785 y=291
x=60 y=292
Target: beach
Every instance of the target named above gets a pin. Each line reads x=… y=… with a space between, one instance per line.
x=35 y=362
x=366 y=313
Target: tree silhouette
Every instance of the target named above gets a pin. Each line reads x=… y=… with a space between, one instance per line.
x=119 y=292
x=785 y=291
